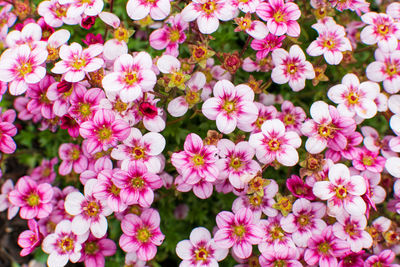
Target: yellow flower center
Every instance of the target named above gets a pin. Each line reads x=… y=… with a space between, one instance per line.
x=391 y=70
x=273 y=144
x=192 y=97
x=255 y=200
x=329 y=43
x=60 y=10
x=138 y=152
x=235 y=163
x=91 y=248
x=239 y=230
x=174 y=35
x=114 y=190
x=25 y=68
x=209 y=7
x=198 y=160
x=143 y=235
x=324 y=247
x=120 y=106
x=288 y=119
x=66 y=244
x=277 y=233
x=383 y=29
x=121 y=34
x=303 y=220
x=324 y=130
x=78 y=63
x=92 y=208
x=279 y=17
x=137 y=182
x=229 y=106
x=130 y=78
x=201 y=254
x=104 y=134
x=291 y=68
x=341 y=192
x=75 y=154
x=368 y=161
x=33 y=199
x=353 y=98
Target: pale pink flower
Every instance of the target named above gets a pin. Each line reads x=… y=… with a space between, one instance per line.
x=281 y=17
x=393 y=166
x=145 y=110
x=382 y=29
x=141 y=234
x=33 y=199
x=21 y=66
x=327 y=128
x=275 y=143
x=30 y=34
x=94 y=250
x=324 y=248
x=200 y=249
x=355 y=98
x=202 y=189
x=55 y=14
x=139 y=9
x=359 y=6
x=236 y=160
x=131 y=77
x=89 y=212
x=352 y=229
x=386 y=69
x=350 y=151
x=231 y=106
x=270 y=258
x=63 y=245
x=368 y=160
x=254 y=28
x=376 y=193
x=331 y=41
x=373 y=142
x=170 y=35
x=208 y=13
x=264 y=113
x=45 y=173
x=246 y=6
x=8 y=19
x=5 y=203
x=39 y=101
x=266 y=45
x=293 y=117
x=136 y=183
x=393 y=10
x=76 y=63
x=239 y=231
x=342 y=191
x=305 y=221
x=104 y=131
x=72 y=158
x=77 y=7
x=55 y=41
x=197 y=161
x=141 y=148
x=291 y=67
x=28 y=240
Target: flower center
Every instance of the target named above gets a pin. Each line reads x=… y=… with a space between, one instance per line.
x=104 y=134
x=75 y=154
x=60 y=11
x=138 y=153
x=92 y=208
x=291 y=68
x=130 y=78
x=78 y=63
x=239 y=230
x=209 y=7
x=324 y=131
x=391 y=69
x=229 y=106
x=352 y=98
x=201 y=254
x=303 y=220
x=244 y=24
x=383 y=29
x=114 y=190
x=174 y=36
x=137 y=182
x=25 y=68
x=121 y=34
x=33 y=199
x=324 y=247
x=235 y=163
x=255 y=200
x=279 y=17
x=143 y=235
x=120 y=106
x=341 y=192
x=192 y=97
x=368 y=160
x=277 y=233
x=148 y=110
x=66 y=244
x=198 y=160
x=273 y=144
x=280 y=263
x=91 y=248
x=329 y=43
x=260 y=120
x=288 y=119
x=351 y=229
x=199 y=53
x=84 y=109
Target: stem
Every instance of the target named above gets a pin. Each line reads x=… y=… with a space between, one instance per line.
x=367 y=48
x=245 y=46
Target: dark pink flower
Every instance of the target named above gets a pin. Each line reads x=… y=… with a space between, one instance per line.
x=30 y=239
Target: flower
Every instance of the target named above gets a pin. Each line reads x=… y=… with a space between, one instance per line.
x=22 y=66
x=90 y=213
x=354 y=97
x=291 y=67
x=231 y=106
x=7 y=131
x=94 y=250
x=200 y=249
x=5 y=202
x=239 y=231
x=342 y=191
x=63 y=245
x=28 y=240
x=76 y=63
x=72 y=158
x=281 y=17
x=141 y=234
x=138 y=9
x=39 y=101
x=266 y=45
x=33 y=199
x=273 y=142
x=77 y=7
x=207 y=13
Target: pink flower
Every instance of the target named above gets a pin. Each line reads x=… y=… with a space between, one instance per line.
x=89 y=212
x=141 y=148
x=76 y=63
x=141 y=234
x=331 y=41
x=253 y=28
x=78 y=8
x=33 y=199
x=45 y=173
x=291 y=116
x=381 y=29
x=94 y=250
x=291 y=67
x=7 y=131
x=55 y=14
x=103 y=132
x=299 y=188
x=327 y=128
x=324 y=248
x=266 y=45
x=200 y=249
x=169 y=36
x=236 y=160
x=270 y=258
x=342 y=191
x=5 y=202
x=72 y=158
x=197 y=162
x=354 y=97
x=30 y=34
x=202 y=189
x=305 y=221
x=131 y=77
x=264 y=113
x=137 y=184
x=384 y=259
x=39 y=101
x=139 y=9
x=84 y=103
x=352 y=229
x=28 y=240
x=231 y=106
x=145 y=110
x=368 y=160
x=386 y=69
x=281 y=17
x=63 y=245
x=239 y=231
x=8 y=17
x=274 y=143
x=22 y=66
x=207 y=13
